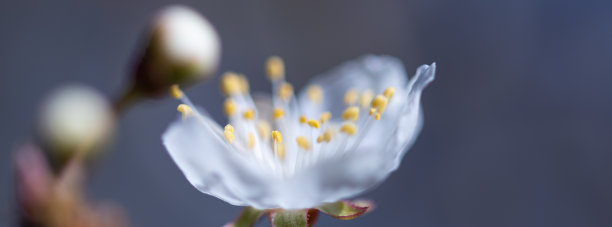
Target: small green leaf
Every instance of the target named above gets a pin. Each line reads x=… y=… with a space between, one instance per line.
x=346 y=210
x=246 y=218
x=291 y=218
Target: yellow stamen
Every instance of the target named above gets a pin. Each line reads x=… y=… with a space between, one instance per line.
x=231 y=83
x=325 y=116
x=175 y=91
x=228 y=133
x=285 y=91
x=388 y=93
x=366 y=98
x=251 y=140
x=348 y=128
x=244 y=84
x=303 y=119
x=377 y=117
x=275 y=68
x=303 y=142
x=380 y=103
x=278 y=113
x=278 y=142
x=229 y=107
x=280 y=151
x=326 y=136
x=277 y=137
x=313 y=123
x=351 y=113
x=249 y=114
x=263 y=128
x=372 y=111
x=185 y=110
x=315 y=93
x=350 y=97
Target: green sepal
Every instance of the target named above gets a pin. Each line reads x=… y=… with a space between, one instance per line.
x=248 y=217
x=346 y=210
x=291 y=218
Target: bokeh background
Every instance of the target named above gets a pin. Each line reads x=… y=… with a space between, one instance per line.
x=518 y=128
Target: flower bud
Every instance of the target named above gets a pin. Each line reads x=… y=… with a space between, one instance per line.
x=74 y=118
x=183 y=48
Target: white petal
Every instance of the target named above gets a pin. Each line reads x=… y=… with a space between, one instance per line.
x=402 y=118
x=336 y=179
x=368 y=72
x=209 y=164
x=411 y=119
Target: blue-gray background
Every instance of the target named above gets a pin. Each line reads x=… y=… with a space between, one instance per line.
x=517 y=132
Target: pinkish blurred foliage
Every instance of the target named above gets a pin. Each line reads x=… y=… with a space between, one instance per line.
x=58 y=200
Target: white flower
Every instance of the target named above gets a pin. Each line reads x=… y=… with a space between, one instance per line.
x=326 y=145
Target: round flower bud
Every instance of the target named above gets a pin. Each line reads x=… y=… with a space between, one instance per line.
x=183 y=47
x=73 y=119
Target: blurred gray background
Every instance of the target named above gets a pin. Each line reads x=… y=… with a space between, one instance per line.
x=517 y=131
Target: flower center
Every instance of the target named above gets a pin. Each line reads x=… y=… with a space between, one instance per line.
x=259 y=137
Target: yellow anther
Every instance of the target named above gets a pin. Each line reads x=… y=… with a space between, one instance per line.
x=231 y=83
x=229 y=107
x=176 y=92
x=315 y=93
x=277 y=137
x=185 y=110
x=249 y=114
x=303 y=142
x=350 y=97
x=251 y=140
x=388 y=93
x=351 y=113
x=377 y=117
x=285 y=91
x=348 y=128
x=275 y=68
x=244 y=84
x=228 y=133
x=380 y=103
x=263 y=128
x=303 y=119
x=229 y=128
x=326 y=136
x=325 y=116
x=278 y=113
x=366 y=98
x=313 y=123
x=372 y=111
